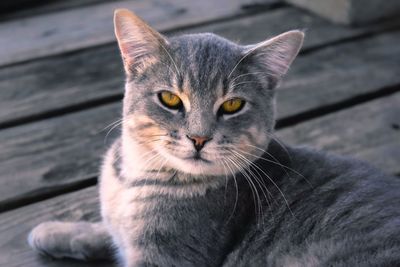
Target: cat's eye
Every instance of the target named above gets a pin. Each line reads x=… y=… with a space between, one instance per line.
x=170 y=100
x=232 y=106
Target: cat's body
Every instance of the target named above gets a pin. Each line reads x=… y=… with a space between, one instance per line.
x=338 y=212
x=188 y=221
x=196 y=179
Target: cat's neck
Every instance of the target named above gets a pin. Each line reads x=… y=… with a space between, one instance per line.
x=139 y=164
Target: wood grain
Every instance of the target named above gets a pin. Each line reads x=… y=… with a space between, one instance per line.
x=339 y=73
x=15 y=225
x=68 y=30
x=42 y=87
x=59 y=151
x=364 y=131
x=351 y=11
x=319 y=32
x=369 y=131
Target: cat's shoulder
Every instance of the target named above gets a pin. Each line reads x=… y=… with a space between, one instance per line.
x=322 y=166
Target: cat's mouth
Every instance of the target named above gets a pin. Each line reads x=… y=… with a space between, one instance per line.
x=194 y=163
x=198 y=158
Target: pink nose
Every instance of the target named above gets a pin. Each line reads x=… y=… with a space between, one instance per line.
x=198 y=141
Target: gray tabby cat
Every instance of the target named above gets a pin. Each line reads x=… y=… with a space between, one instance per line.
x=197 y=179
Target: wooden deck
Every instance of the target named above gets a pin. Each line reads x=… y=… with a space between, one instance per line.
x=61 y=83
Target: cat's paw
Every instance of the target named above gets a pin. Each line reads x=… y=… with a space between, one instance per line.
x=54 y=239
x=82 y=241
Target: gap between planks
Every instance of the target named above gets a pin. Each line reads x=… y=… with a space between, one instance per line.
x=77 y=29
x=45 y=7
x=334 y=107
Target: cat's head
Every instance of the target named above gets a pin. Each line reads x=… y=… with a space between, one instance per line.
x=202 y=103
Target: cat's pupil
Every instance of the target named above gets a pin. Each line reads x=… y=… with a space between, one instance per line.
x=170 y=100
x=232 y=106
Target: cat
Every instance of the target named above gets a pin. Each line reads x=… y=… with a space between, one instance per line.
x=197 y=177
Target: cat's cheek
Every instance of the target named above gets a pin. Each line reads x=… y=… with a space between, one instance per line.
x=258 y=135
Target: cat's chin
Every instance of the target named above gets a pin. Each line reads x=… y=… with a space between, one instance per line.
x=195 y=165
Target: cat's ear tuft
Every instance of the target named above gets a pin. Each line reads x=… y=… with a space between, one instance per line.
x=276 y=55
x=140 y=45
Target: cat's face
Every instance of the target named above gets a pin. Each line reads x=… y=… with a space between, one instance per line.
x=202 y=103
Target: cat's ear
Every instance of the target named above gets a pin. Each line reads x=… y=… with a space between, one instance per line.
x=140 y=44
x=276 y=55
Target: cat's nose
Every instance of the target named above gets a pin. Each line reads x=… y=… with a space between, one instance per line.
x=198 y=141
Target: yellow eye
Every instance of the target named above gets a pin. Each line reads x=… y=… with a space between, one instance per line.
x=232 y=106
x=170 y=100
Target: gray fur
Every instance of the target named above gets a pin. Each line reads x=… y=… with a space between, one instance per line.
x=271 y=205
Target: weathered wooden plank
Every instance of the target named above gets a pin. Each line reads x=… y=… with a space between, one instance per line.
x=370 y=131
x=12 y=9
x=59 y=151
x=351 y=11
x=35 y=88
x=69 y=30
x=341 y=72
x=42 y=86
x=49 y=153
x=56 y=142
x=14 y=250
x=362 y=131
x=319 y=32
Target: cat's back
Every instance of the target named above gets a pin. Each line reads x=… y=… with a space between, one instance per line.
x=325 y=210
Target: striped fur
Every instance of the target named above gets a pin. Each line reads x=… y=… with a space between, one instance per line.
x=250 y=200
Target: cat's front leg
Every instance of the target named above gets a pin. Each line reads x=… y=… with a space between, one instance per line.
x=79 y=240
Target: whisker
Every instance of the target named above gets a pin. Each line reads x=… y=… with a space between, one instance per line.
x=272 y=181
x=169 y=67
x=226 y=177
x=174 y=149
x=240 y=61
x=258 y=180
x=150 y=160
x=162 y=165
x=172 y=60
x=280 y=143
x=112 y=123
x=247 y=82
x=153 y=135
x=245 y=74
x=237 y=192
x=258 y=177
x=275 y=161
x=256 y=197
x=116 y=124
x=147 y=141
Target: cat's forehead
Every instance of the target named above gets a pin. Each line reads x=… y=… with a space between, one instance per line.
x=204 y=62
x=204 y=46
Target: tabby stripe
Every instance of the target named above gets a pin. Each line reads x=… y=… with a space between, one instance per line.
x=142 y=126
x=171 y=182
x=162 y=170
x=117 y=160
